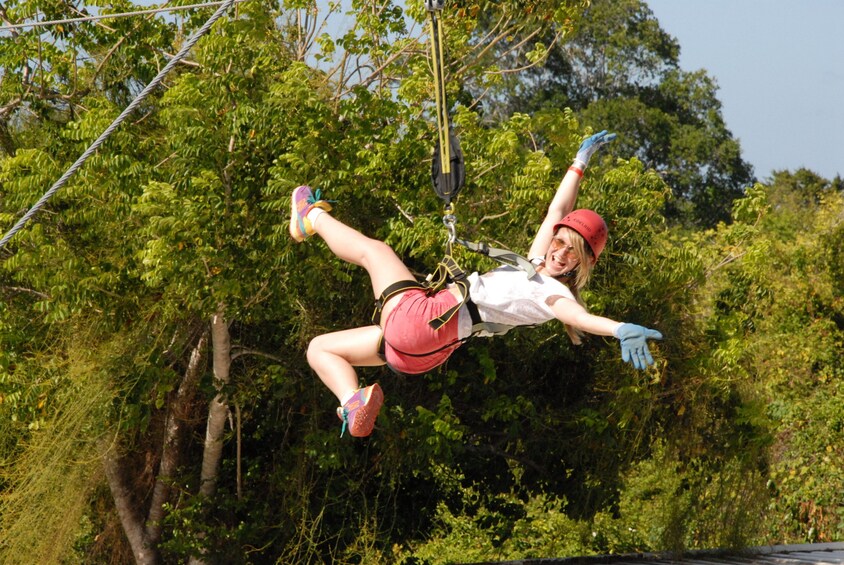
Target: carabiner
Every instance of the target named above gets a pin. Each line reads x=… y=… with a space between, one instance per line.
x=449 y=220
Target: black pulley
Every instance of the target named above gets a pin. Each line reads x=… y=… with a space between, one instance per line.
x=448 y=179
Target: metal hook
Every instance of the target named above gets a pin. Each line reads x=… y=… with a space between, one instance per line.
x=449 y=220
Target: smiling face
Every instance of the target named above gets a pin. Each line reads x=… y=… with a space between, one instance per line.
x=562 y=256
x=569 y=258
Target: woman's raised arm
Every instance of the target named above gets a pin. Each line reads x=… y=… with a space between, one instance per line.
x=566 y=196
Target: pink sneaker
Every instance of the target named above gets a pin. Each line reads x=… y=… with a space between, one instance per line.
x=303 y=201
x=360 y=411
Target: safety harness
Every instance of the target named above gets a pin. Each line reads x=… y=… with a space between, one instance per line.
x=448 y=272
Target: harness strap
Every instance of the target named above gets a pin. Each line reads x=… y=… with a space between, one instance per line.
x=448 y=271
x=391 y=291
x=383 y=344
x=445 y=269
x=478 y=325
x=504 y=256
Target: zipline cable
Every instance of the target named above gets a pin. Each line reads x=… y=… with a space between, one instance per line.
x=448 y=173
x=110 y=129
x=116 y=15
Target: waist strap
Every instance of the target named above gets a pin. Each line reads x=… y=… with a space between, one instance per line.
x=479 y=326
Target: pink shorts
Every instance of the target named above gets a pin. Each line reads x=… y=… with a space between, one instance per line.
x=411 y=345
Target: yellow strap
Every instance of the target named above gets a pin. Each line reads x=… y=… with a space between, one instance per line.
x=448 y=271
x=439 y=91
x=443 y=318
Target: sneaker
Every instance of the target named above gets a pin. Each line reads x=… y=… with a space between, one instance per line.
x=303 y=201
x=361 y=410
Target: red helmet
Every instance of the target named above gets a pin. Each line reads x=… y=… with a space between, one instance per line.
x=590 y=225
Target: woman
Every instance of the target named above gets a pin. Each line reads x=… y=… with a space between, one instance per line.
x=564 y=251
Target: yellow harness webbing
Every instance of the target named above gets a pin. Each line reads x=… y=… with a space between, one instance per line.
x=437 y=62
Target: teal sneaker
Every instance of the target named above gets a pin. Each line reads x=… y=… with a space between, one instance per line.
x=303 y=201
x=361 y=410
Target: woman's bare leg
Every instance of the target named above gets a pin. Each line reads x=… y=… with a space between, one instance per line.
x=380 y=261
x=333 y=357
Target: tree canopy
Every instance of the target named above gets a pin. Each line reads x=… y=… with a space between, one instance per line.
x=618 y=66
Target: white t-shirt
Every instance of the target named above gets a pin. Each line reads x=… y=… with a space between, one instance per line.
x=507 y=296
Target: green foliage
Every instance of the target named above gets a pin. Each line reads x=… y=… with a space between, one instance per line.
x=777 y=322
x=668 y=504
x=48 y=477
x=479 y=527
x=522 y=446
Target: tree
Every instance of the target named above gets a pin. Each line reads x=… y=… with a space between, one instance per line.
x=782 y=291
x=101 y=210
x=618 y=69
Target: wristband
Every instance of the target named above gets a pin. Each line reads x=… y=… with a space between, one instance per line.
x=576 y=170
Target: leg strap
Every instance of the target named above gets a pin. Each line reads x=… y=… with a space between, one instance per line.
x=389 y=292
x=398 y=288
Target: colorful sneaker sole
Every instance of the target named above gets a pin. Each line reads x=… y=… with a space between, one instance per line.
x=363 y=411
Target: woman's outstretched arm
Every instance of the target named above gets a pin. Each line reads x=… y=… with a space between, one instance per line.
x=633 y=338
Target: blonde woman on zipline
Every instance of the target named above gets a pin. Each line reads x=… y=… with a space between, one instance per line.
x=564 y=251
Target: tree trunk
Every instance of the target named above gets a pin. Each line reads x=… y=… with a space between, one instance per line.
x=144 y=539
x=130 y=518
x=219 y=408
x=174 y=431
x=217 y=411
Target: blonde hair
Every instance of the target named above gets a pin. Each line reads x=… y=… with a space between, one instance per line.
x=577 y=281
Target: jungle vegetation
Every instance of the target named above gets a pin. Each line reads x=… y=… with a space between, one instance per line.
x=155 y=401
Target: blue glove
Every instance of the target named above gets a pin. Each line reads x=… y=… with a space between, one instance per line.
x=589 y=146
x=634 y=344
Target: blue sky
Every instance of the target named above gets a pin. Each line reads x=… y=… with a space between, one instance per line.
x=779 y=65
